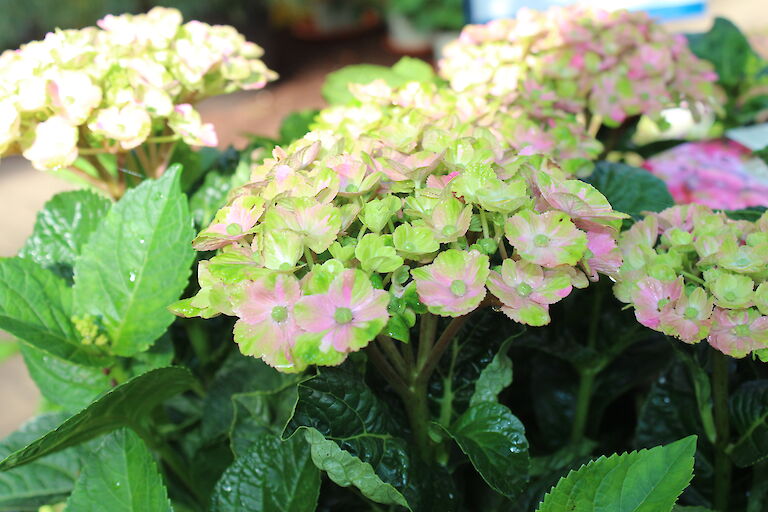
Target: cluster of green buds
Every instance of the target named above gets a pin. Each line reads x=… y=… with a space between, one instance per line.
x=112 y=88
x=395 y=115
x=693 y=273
x=339 y=239
x=604 y=66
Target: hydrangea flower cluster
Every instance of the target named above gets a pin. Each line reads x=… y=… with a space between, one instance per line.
x=695 y=274
x=112 y=88
x=393 y=114
x=337 y=239
x=606 y=66
x=718 y=173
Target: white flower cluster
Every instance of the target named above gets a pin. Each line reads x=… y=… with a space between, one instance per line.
x=109 y=88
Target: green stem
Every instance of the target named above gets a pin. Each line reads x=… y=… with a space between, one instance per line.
x=427 y=332
x=443 y=342
x=484 y=223
x=759 y=487
x=386 y=370
x=308 y=256
x=587 y=375
x=723 y=430
x=692 y=277
x=393 y=354
x=419 y=417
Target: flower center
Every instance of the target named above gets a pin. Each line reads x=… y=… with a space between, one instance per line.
x=524 y=289
x=234 y=229
x=541 y=240
x=458 y=288
x=741 y=330
x=691 y=313
x=343 y=315
x=279 y=313
x=449 y=230
x=729 y=296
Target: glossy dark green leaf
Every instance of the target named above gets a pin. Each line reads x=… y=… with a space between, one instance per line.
x=273 y=475
x=352 y=435
x=128 y=404
x=630 y=189
x=46 y=481
x=136 y=263
x=749 y=410
x=62 y=228
x=209 y=197
x=239 y=375
x=644 y=481
x=68 y=385
x=120 y=476
x=494 y=440
x=36 y=307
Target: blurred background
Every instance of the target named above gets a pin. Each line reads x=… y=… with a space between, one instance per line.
x=303 y=40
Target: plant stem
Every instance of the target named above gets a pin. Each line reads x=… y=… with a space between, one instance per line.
x=386 y=370
x=443 y=342
x=722 y=429
x=587 y=375
x=427 y=332
x=393 y=354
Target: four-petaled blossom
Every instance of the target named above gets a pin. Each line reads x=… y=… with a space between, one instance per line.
x=231 y=223
x=267 y=327
x=526 y=290
x=343 y=319
x=738 y=332
x=548 y=239
x=54 y=145
x=454 y=284
x=653 y=297
x=689 y=316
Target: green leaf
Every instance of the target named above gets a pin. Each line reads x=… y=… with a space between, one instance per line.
x=239 y=374
x=749 y=410
x=120 y=476
x=346 y=469
x=136 y=263
x=296 y=124
x=209 y=197
x=336 y=87
x=36 y=307
x=680 y=508
x=68 y=385
x=495 y=377
x=128 y=404
x=726 y=48
x=494 y=440
x=62 y=228
x=643 y=481
x=273 y=475
x=352 y=436
x=43 y=482
x=630 y=189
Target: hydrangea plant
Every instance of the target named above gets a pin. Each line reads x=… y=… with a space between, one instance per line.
x=85 y=99
x=604 y=66
x=334 y=229
x=695 y=274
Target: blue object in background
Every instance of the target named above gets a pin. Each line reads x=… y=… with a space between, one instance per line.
x=483 y=11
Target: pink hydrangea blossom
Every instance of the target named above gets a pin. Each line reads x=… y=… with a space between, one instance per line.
x=653 y=297
x=454 y=284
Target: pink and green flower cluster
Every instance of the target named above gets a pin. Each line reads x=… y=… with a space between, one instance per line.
x=337 y=239
x=112 y=88
x=696 y=274
x=399 y=116
x=603 y=66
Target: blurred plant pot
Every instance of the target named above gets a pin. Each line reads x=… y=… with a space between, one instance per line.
x=405 y=38
x=333 y=20
x=440 y=39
